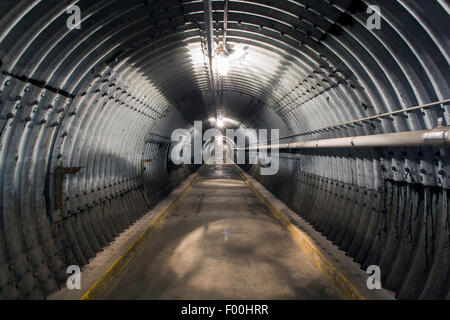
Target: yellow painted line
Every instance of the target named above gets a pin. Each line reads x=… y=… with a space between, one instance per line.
x=345 y=287
x=102 y=285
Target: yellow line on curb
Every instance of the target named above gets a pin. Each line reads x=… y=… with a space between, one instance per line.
x=345 y=287
x=100 y=287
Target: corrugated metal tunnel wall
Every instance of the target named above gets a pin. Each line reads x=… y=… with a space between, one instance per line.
x=83 y=110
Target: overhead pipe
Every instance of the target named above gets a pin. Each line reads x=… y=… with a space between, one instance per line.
x=438 y=137
x=374 y=117
x=207 y=5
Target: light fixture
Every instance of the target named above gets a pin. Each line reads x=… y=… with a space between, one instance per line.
x=219 y=122
x=222 y=61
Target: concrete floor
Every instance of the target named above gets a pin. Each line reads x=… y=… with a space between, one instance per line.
x=220 y=242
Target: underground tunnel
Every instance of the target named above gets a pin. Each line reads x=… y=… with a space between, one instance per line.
x=215 y=149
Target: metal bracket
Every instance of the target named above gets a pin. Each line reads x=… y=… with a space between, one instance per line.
x=58 y=176
x=58 y=181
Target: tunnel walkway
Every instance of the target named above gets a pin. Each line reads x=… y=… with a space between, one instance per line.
x=221 y=242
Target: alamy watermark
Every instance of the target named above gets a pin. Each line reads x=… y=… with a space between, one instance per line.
x=74 y=280
x=374 y=21
x=74 y=20
x=236 y=146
